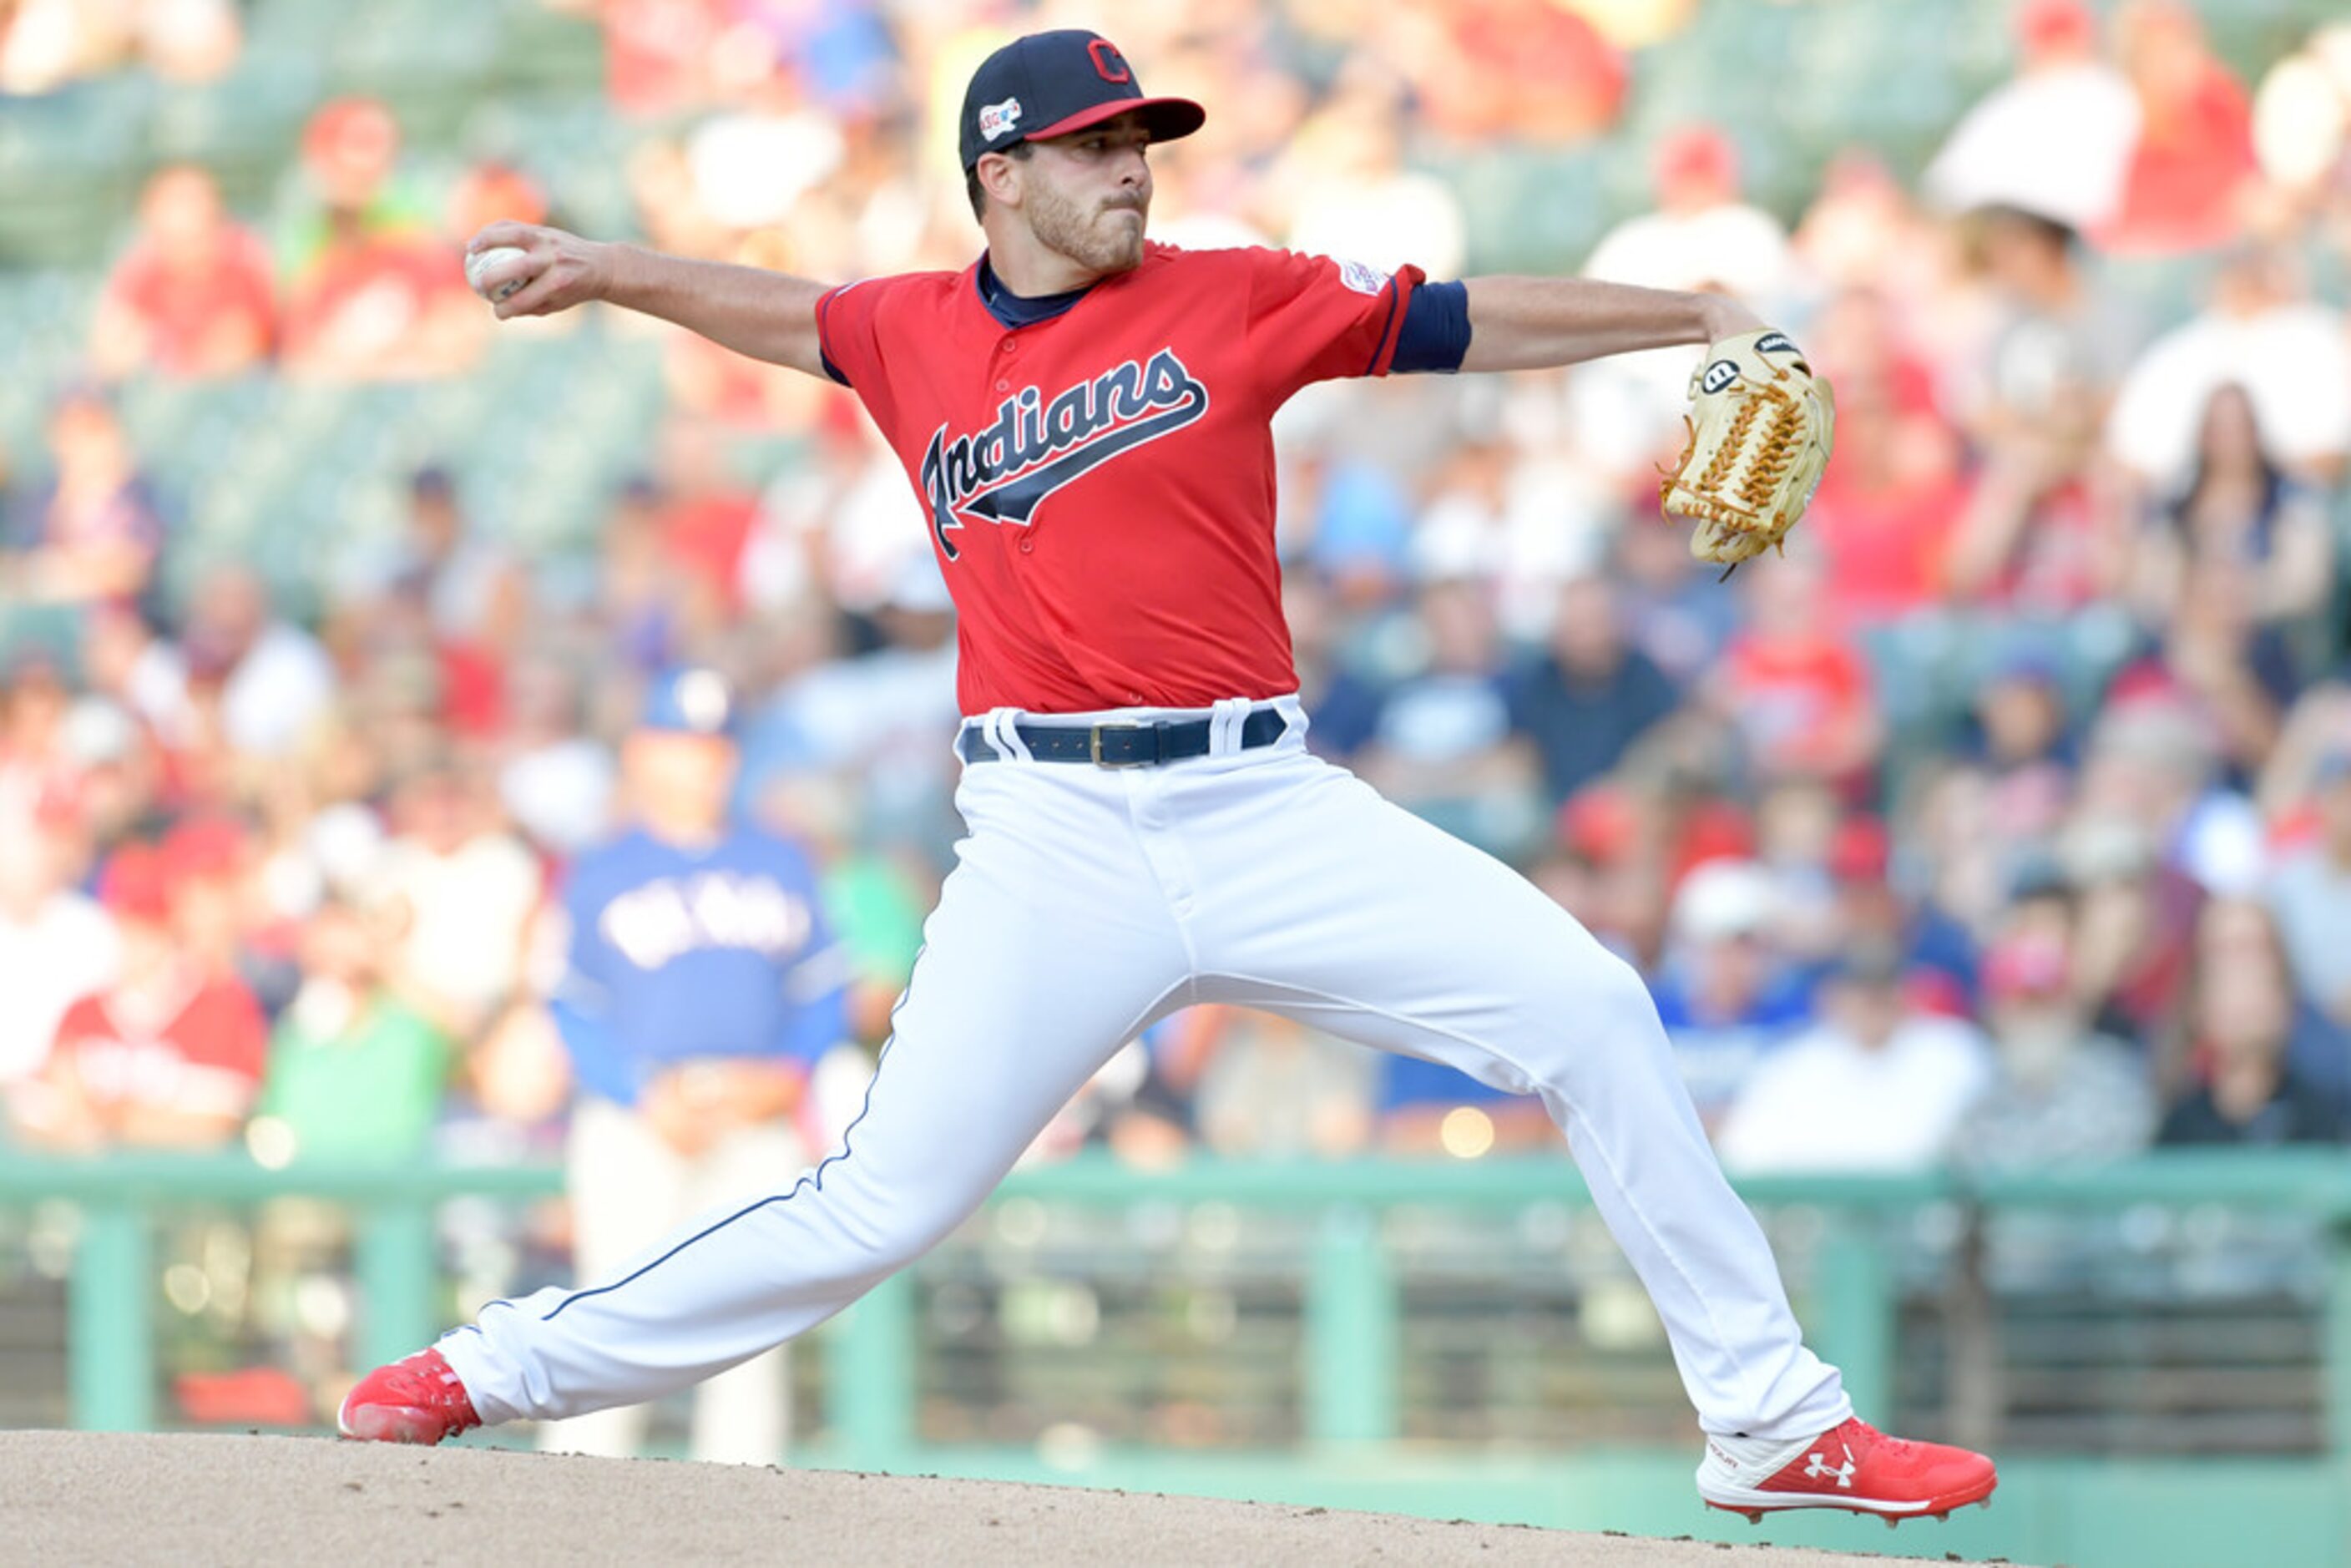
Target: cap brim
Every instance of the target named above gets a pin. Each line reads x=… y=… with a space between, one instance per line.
x=1167 y=118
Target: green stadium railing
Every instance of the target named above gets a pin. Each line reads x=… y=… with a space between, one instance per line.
x=111 y=1299
x=2144 y=1513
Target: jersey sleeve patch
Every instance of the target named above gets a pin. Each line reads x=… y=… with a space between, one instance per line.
x=1314 y=319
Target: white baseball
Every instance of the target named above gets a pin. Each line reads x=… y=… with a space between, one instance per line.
x=478 y=263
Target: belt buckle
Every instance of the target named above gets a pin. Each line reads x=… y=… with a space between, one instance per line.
x=1094 y=739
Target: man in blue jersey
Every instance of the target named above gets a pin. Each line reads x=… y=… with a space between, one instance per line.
x=700 y=987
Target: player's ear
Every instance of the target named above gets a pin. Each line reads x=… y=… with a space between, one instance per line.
x=999 y=177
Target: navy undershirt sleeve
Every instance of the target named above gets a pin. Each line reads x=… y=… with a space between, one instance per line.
x=1435 y=332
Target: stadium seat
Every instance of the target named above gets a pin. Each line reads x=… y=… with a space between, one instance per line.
x=70 y=162
x=573 y=147
x=539 y=50
x=243 y=130
x=426 y=62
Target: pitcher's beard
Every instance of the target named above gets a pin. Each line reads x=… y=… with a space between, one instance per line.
x=1063 y=225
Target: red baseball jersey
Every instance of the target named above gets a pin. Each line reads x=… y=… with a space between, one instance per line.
x=208 y=1056
x=1100 y=485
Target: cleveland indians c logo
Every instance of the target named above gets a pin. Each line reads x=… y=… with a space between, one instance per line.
x=1001 y=473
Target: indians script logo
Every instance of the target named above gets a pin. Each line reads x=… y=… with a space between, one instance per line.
x=1001 y=473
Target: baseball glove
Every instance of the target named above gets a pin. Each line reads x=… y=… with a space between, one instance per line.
x=1759 y=429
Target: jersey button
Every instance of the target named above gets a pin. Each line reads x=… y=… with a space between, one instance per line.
x=1026 y=544
x=1002 y=385
x=1009 y=344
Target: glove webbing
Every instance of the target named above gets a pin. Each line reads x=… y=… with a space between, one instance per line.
x=1775 y=452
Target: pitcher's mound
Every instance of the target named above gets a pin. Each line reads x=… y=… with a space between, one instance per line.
x=84 y=1497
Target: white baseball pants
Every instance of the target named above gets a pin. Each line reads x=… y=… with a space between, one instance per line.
x=1087 y=902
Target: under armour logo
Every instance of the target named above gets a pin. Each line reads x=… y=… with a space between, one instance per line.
x=1821 y=1466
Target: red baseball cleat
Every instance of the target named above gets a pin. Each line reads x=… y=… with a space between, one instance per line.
x=1853 y=1467
x=416 y=1399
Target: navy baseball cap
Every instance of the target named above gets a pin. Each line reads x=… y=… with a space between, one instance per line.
x=690 y=700
x=1058 y=83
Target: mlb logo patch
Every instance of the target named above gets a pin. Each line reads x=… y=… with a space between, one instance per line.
x=997 y=119
x=1360 y=279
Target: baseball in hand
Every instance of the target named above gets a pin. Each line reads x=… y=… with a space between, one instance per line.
x=479 y=262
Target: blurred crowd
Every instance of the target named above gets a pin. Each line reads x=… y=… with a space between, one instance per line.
x=2005 y=820
x=47 y=44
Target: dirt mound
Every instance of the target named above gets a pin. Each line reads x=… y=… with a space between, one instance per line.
x=83 y=1497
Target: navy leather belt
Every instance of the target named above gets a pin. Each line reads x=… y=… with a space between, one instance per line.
x=1122 y=744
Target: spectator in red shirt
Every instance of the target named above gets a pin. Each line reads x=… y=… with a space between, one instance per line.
x=1796 y=688
x=379 y=306
x=2194 y=158
x=490 y=191
x=1892 y=495
x=193 y=296
x=659 y=55
x=703 y=520
x=1859 y=344
x=168 y=1056
x=1524 y=69
x=1886 y=515
x=373 y=293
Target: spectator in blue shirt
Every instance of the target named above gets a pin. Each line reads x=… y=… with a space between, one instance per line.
x=1726 y=997
x=1590 y=695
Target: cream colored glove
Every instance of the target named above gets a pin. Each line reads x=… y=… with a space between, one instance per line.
x=1761 y=425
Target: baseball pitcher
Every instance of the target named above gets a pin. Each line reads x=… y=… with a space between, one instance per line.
x=1084 y=417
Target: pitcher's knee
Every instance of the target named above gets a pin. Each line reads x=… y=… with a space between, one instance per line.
x=884 y=1230
x=1622 y=1001
x=1625 y=1021
x=1600 y=1016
